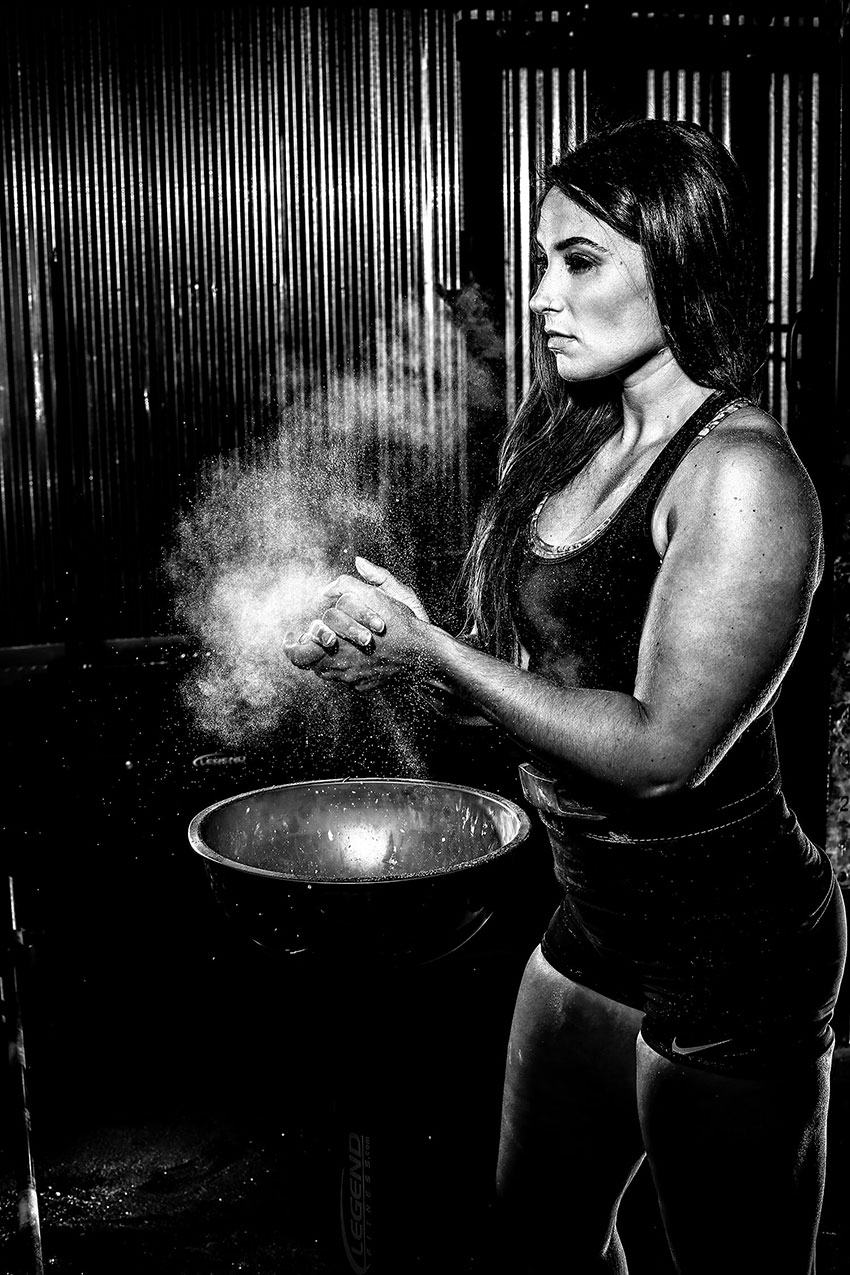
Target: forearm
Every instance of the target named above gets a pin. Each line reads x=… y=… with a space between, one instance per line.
x=603 y=739
x=448 y=702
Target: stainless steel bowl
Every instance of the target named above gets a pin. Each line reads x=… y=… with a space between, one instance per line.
x=403 y=869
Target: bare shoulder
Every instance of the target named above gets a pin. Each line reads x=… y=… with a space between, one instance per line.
x=746 y=462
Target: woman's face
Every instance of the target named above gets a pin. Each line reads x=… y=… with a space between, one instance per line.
x=594 y=296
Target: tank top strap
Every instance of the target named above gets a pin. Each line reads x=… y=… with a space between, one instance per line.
x=700 y=423
x=708 y=415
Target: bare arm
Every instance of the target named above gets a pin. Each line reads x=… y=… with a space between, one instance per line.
x=725 y=618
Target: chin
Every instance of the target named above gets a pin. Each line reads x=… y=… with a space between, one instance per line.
x=575 y=375
x=576 y=371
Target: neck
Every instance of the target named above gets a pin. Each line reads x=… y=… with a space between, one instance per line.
x=657 y=398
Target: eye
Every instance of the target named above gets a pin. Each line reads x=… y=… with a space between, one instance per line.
x=578 y=264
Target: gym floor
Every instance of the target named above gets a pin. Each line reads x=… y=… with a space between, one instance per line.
x=216 y=1144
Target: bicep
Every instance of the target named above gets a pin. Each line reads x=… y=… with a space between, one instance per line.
x=728 y=608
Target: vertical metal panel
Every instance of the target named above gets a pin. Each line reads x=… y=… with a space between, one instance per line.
x=513 y=298
x=793 y=164
x=536 y=115
x=209 y=214
x=538 y=118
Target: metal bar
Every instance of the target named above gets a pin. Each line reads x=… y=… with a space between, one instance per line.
x=29 y=1225
x=428 y=217
x=524 y=229
x=509 y=212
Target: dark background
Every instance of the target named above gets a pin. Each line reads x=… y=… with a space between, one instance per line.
x=187 y=1092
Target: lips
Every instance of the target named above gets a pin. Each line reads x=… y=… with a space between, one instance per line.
x=557 y=341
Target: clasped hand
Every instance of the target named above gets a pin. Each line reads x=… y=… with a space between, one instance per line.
x=370 y=630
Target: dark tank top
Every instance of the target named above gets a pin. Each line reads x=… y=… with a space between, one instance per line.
x=580 y=611
x=688 y=908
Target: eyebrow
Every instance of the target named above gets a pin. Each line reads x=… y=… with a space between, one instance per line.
x=573 y=242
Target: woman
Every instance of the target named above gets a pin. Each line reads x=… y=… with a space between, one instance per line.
x=638 y=588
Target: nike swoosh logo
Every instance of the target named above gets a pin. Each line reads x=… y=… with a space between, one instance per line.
x=698 y=1049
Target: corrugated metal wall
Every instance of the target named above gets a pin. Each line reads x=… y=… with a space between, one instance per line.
x=547 y=107
x=214 y=218
x=217 y=218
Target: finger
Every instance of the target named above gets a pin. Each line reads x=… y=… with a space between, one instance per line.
x=356 y=601
x=302 y=650
x=382 y=579
x=304 y=654
x=339 y=586
x=325 y=636
x=353 y=622
x=375 y=574
x=341 y=623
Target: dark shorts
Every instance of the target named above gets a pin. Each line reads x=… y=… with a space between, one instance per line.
x=731 y=944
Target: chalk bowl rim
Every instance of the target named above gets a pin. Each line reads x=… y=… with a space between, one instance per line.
x=205 y=851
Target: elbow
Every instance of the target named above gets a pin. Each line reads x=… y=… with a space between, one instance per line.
x=664 y=764
x=656 y=784
x=652 y=789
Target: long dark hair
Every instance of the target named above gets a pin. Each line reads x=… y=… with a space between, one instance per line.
x=675 y=190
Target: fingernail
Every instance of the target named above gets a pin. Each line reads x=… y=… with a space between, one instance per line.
x=377 y=625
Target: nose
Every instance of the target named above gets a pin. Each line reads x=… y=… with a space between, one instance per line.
x=544 y=298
